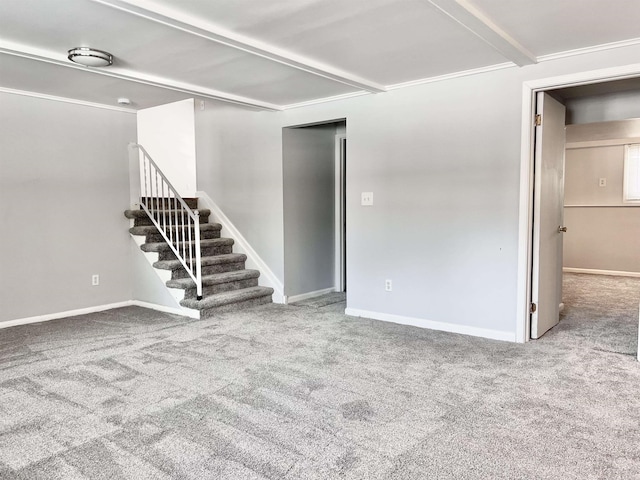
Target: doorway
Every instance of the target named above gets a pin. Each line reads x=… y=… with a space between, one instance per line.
x=314 y=190
x=529 y=246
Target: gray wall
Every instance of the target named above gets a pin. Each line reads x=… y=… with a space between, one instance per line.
x=602 y=238
x=64 y=184
x=602 y=232
x=443 y=161
x=309 y=208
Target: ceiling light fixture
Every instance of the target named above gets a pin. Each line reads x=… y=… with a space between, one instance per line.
x=124 y=101
x=90 y=57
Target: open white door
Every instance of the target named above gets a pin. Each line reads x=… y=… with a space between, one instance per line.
x=546 y=281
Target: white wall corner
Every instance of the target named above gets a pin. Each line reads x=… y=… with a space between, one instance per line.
x=432 y=325
x=241 y=245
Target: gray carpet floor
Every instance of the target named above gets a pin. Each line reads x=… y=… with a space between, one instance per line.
x=323 y=300
x=283 y=392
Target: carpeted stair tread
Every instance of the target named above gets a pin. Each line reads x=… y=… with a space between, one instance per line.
x=214 y=279
x=206 y=261
x=146 y=229
x=226 y=298
x=164 y=247
x=204 y=212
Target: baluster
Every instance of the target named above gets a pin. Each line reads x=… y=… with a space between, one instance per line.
x=170 y=235
x=144 y=165
x=157 y=196
x=190 y=250
x=184 y=243
x=153 y=210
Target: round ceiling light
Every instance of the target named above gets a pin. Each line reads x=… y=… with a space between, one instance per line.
x=90 y=57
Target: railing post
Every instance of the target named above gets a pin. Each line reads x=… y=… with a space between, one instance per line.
x=196 y=229
x=134 y=176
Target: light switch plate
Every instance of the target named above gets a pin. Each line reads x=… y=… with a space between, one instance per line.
x=367 y=199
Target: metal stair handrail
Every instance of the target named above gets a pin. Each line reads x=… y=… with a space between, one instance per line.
x=175 y=223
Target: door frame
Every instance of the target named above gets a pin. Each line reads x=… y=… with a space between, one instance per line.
x=525 y=214
x=340 y=207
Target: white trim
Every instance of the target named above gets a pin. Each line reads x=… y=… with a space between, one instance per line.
x=68 y=313
x=185 y=312
x=267 y=277
x=44 y=96
x=603 y=206
x=325 y=100
x=38 y=54
x=483 y=27
x=432 y=325
x=601 y=143
x=592 y=271
x=340 y=199
x=525 y=213
x=196 y=26
x=449 y=76
x=305 y=296
x=582 y=51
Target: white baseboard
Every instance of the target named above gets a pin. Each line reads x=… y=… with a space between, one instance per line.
x=185 y=312
x=305 y=296
x=591 y=271
x=68 y=313
x=267 y=277
x=430 y=324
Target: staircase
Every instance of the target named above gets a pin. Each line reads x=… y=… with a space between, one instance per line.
x=226 y=284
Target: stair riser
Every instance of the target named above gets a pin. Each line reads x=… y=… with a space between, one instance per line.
x=231 y=307
x=204 y=235
x=146 y=221
x=192 y=203
x=222 y=287
x=210 y=269
x=204 y=252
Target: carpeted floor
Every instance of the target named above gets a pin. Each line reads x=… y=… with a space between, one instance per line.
x=323 y=300
x=283 y=392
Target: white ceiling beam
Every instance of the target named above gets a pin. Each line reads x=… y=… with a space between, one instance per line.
x=24 y=51
x=482 y=26
x=197 y=26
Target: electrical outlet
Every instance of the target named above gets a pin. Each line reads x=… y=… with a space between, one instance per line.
x=95 y=280
x=602 y=182
x=367 y=199
x=388 y=285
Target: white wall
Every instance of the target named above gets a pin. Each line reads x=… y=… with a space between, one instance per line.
x=309 y=208
x=64 y=184
x=443 y=161
x=240 y=167
x=167 y=132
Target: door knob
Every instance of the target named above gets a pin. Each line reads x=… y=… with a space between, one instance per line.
x=562 y=229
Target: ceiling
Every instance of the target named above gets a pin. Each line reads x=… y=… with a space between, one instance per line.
x=282 y=54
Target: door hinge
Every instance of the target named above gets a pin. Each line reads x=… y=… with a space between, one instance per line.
x=538 y=120
x=533 y=308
